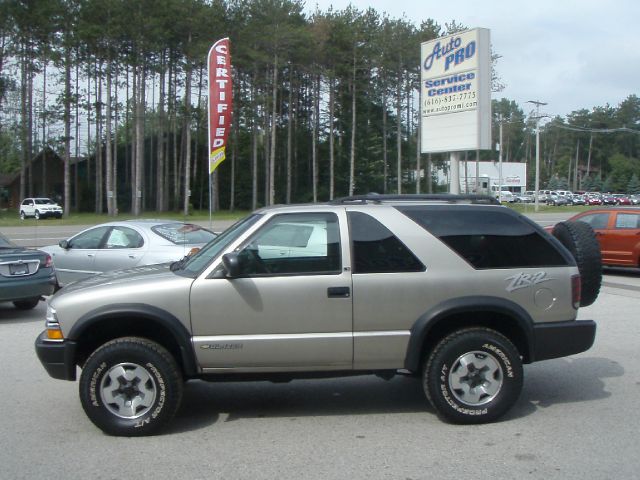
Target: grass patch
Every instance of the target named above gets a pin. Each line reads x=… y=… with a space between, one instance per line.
x=543 y=208
x=11 y=219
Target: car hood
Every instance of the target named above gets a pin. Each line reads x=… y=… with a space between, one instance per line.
x=146 y=273
x=151 y=285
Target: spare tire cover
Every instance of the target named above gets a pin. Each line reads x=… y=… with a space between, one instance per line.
x=580 y=239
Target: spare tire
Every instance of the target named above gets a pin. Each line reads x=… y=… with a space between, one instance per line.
x=580 y=239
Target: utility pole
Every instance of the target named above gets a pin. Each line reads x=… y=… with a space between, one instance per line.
x=538 y=104
x=500 y=162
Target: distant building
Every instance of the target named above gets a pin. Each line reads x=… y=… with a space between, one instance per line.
x=47 y=179
x=514 y=176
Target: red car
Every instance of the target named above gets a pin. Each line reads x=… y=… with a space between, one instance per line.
x=618 y=232
x=592 y=200
x=622 y=199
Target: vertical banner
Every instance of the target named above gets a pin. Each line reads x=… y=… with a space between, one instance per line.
x=220 y=101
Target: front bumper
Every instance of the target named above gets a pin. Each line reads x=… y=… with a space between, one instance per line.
x=57 y=358
x=560 y=339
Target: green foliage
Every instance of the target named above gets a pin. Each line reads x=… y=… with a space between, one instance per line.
x=9 y=152
x=633 y=186
x=354 y=54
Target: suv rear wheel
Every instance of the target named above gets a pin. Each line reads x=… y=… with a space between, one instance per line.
x=473 y=375
x=131 y=387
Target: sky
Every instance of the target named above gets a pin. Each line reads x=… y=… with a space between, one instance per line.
x=570 y=54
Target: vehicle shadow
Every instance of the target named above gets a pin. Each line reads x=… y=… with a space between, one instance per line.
x=206 y=403
x=546 y=384
x=566 y=380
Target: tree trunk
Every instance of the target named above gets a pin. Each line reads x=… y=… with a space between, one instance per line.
x=314 y=140
x=352 y=153
x=160 y=149
x=331 y=140
x=290 y=137
x=399 y=137
x=272 y=150
x=187 y=139
x=139 y=160
x=67 y=130
x=108 y=161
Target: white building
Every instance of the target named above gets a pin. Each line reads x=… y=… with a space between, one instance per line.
x=514 y=176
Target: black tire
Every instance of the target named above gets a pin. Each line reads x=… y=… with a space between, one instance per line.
x=580 y=239
x=145 y=372
x=492 y=362
x=22 y=215
x=27 y=304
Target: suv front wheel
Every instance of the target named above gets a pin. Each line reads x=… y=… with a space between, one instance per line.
x=131 y=387
x=473 y=375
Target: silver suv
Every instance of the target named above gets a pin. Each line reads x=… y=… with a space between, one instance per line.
x=455 y=290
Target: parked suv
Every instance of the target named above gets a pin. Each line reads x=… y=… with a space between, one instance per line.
x=39 y=208
x=455 y=290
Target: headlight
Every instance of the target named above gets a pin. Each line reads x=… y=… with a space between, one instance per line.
x=52 y=325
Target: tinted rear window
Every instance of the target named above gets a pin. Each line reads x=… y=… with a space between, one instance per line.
x=487 y=238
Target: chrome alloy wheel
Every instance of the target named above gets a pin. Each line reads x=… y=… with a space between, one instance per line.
x=476 y=378
x=128 y=390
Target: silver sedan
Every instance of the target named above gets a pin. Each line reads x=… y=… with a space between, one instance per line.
x=125 y=244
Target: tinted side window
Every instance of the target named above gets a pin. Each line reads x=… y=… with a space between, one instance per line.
x=596 y=220
x=376 y=250
x=89 y=239
x=488 y=238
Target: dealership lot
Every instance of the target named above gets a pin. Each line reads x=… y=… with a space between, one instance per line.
x=575 y=419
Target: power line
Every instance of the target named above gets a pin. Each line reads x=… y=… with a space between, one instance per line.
x=595 y=130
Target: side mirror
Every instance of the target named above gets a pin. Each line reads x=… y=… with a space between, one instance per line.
x=64 y=244
x=231 y=264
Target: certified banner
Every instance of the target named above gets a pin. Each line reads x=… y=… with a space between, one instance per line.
x=220 y=101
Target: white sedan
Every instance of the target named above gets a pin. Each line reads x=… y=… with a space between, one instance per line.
x=125 y=244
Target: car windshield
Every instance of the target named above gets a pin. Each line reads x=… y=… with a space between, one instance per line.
x=44 y=201
x=195 y=264
x=183 y=233
x=5 y=243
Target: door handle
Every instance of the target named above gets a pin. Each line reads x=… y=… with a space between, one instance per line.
x=90 y=255
x=338 y=292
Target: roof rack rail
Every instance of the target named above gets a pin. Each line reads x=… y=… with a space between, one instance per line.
x=413 y=197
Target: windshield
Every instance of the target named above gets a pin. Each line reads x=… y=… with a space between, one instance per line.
x=5 y=243
x=44 y=201
x=201 y=260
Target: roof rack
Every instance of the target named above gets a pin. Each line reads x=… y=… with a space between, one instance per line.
x=435 y=197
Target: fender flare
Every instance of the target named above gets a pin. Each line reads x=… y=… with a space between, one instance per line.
x=148 y=312
x=472 y=304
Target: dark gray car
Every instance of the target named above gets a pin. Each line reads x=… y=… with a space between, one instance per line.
x=25 y=274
